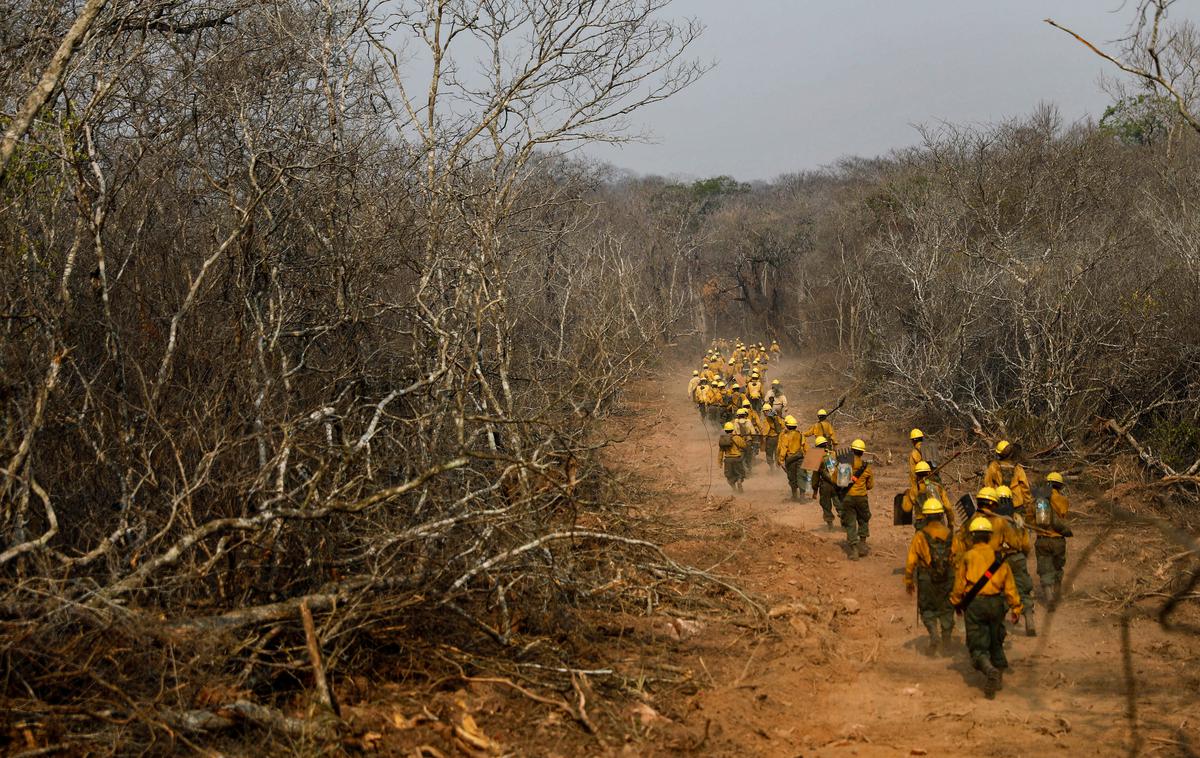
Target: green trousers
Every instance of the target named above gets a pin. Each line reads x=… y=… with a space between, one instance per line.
x=1019 y=563
x=828 y=497
x=985 y=630
x=770 y=446
x=1051 y=558
x=855 y=514
x=797 y=476
x=734 y=472
x=933 y=602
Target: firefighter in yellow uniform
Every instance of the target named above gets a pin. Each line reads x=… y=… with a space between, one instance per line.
x=822 y=429
x=1010 y=539
x=1004 y=471
x=824 y=483
x=744 y=427
x=790 y=454
x=1051 y=543
x=769 y=425
x=925 y=487
x=754 y=391
x=693 y=383
x=929 y=572
x=916 y=436
x=855 y=508
x=775 y=351
x=731 y=448
x=983 y=584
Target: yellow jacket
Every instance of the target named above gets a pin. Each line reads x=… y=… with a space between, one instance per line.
x=913 y=459
x=770 y=425
x=975 y=562
x=919 y=555
x=790 y=443
x=754 y=389
x=744 y=427
x=735 y=450
x=860 y=486
x=916 y=496
x=823 y=429
x=1011 y=475
x=693 y=383
x=1008 y=536
x=1061 y=506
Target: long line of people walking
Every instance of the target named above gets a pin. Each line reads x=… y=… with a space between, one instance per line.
x=967 y=556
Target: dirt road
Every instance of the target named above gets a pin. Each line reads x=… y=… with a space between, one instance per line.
x=844 y=672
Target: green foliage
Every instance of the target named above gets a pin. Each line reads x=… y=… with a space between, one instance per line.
x=1141 y=120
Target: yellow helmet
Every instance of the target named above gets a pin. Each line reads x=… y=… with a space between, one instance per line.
x=1055 y=477
x=745 y=403
x=822 y=413
x=753 y=374
x=916 y=434
x=1001 y=446
x=1003 y=492
x=988 y=494
x=721 y=384
x=742 y=412
x=791 y=421
x=923 y=468
x=695 y=373
x=858 y=446
x=820 y=441
x=980 y=524
x=774 y=382
x=728 y=426
x=932 y=506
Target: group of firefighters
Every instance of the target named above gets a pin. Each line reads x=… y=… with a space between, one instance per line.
x=978 y=568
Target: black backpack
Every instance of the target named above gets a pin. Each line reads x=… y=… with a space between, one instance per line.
x=939 y=558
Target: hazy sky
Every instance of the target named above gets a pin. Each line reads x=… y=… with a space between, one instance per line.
x=800 y=83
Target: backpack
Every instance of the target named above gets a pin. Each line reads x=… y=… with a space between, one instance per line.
x=845 y=475
x=939 y=558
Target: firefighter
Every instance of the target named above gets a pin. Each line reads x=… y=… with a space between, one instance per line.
x=929 y=572
x=775 y=351
x=790 y=455
x=1051 y=543
x=754 y=391
x=825 y=486
x=776 y=399
x=716 y=405
x=925 y=487
x=855 y=508
x=1010 y=539
x=982 y=585
x=822 y=429
x=731 y=448
x=916 y=436
x=693 y=383
x=769 y=426
x=1003 y=470
x=701 y=398
x=744 y=426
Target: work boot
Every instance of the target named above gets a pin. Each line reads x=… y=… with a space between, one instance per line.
x=1058 y=591
x=863 y=550
x=852 y=554
x=991 y=682
x=1030 y=629
x=740 y=488
x=829 y=524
